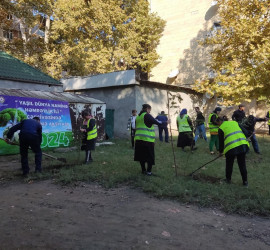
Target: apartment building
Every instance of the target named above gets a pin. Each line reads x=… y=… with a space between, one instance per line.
x=182 y=59
x=11 y=28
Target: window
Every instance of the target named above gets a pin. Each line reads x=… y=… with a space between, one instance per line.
x=8 y=34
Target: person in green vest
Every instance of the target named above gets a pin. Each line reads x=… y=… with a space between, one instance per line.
x=89 y=129
x=145 y=139
x=185 y=129
x=213 y=129
x=233 y=143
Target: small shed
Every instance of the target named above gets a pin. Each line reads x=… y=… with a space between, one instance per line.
x=124 y=91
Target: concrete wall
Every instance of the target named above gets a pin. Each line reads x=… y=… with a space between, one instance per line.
x=30 y=86
x=157 y=98
x=122 y=100
x=187 y=22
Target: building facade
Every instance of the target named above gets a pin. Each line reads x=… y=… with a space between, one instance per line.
x=10 y=28
x=187 y=22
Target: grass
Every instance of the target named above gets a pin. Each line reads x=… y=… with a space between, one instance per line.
x=113 y=165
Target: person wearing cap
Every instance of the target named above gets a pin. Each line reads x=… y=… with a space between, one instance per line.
x=200 y=127
x=213 y=128
x=164 y=126
x=89 y=129
x=233 y=143
x=145 y=139
x=30 y=136
x=249 y=124
x=239 y=114
x=185 y=129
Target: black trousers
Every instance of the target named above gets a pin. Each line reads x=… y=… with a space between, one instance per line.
x=241 y=160
x=269 y=129
x=32 y=141
x=149 y=166
x=132 y=136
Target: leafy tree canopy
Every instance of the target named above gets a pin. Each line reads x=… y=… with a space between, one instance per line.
x=241 y=52
x=11 y=115
x=84 y=37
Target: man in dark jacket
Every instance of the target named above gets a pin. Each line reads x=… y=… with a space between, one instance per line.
x=239 y=114
x=164 y=126
x=30 y=136
x=249 y=124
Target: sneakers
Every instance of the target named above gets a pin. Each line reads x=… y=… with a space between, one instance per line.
x=149 y=173
x=212 y=152
x=245 y=184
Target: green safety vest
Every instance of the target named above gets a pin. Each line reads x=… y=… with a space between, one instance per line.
x=233 y=135
x=142 y=131
x=212 y=127
x=183 y=125
x=92 y=134
x=269 y=119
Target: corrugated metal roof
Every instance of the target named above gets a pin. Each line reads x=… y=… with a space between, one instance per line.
x=60 y=96
x=12 y=68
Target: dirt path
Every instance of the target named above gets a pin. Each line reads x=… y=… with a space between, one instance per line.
x=42 y=215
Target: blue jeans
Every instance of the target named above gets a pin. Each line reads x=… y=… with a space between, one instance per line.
x=255 y=143
x=200 y=130
x=160 y=130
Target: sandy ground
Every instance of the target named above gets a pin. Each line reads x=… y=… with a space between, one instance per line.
x=45 y=215
x=42 y=215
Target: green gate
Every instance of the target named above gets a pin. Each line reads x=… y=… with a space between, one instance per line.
x=109 y=123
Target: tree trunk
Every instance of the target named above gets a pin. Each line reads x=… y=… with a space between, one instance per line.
x=47 y=29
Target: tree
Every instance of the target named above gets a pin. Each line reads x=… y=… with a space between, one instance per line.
x=86 y=37
x=11 y=115
x=241 y=52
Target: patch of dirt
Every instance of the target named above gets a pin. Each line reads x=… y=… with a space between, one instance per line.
x=42 y=215
x=205 y=178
